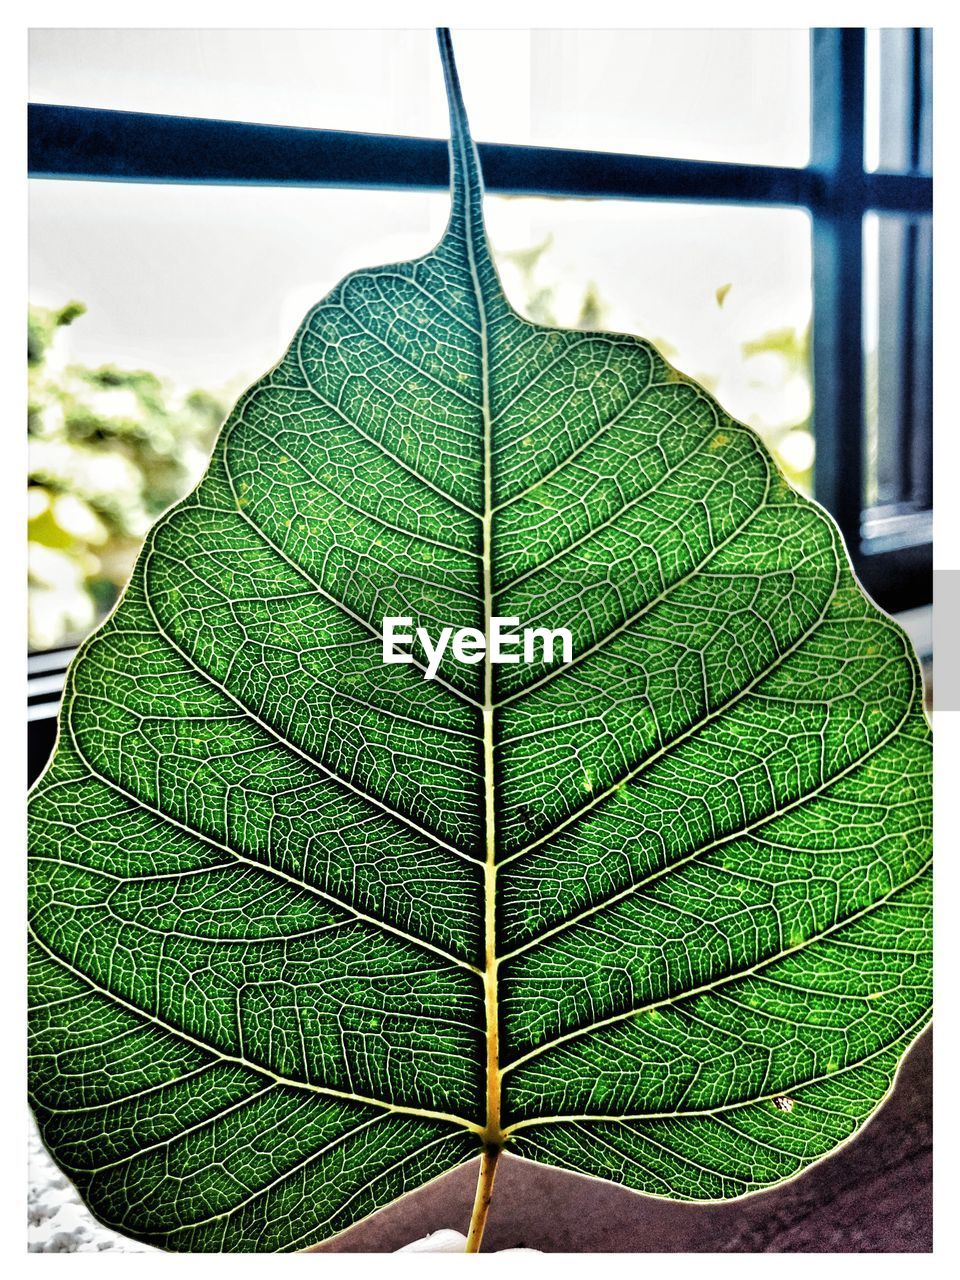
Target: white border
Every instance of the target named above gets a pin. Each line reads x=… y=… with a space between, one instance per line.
x=505 y=14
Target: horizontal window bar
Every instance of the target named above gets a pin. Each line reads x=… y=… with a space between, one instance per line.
x=125 y=146
x=43 y=713
x=38 y=686
x=49 y=660
x=887 y=528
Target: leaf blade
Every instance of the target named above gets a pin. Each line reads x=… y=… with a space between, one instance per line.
x=332 y=918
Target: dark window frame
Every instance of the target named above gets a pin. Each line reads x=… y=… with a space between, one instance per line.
x=891 y=546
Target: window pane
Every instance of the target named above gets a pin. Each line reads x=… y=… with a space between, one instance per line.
x=205 y=286
x=898 y=134
x=362 y=80
x=704 y=95
x=898 y=363
x=712 y=95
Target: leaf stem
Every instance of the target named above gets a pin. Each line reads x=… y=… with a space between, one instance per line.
x=481 y=1204
x=466 y=220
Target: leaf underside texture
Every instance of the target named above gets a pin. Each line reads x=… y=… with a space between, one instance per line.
x=308 y=930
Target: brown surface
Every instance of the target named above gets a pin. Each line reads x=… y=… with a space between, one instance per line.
x=874 y=1196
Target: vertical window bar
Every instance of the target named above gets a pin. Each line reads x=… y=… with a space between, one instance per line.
x=910 y=425
x=905 y=270
x=837 y=130
x=916 y=96
x=921 y=386
x=918 y=290
x=909 y=301
x=921 y=105
x=901 y=459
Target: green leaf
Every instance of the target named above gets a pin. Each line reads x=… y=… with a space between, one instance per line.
x=310 y=930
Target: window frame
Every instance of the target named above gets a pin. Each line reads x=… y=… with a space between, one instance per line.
x=891 y=547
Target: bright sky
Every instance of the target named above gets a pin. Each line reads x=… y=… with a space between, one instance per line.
x=206 y=284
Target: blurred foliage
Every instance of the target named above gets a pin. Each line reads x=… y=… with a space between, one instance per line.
x=540 y=298
x=775 y=362
x=109 y=450
x=786 y=354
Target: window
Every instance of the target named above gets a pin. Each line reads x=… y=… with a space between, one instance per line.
x=787 y=171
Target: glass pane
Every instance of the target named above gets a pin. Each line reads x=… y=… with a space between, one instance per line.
x=711 y=95
x=898 y=127
x=898 y=361
x=735 y=95
x=204 y=286
x=372 y=81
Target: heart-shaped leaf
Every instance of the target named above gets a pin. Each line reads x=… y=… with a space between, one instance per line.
x=310 y=929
